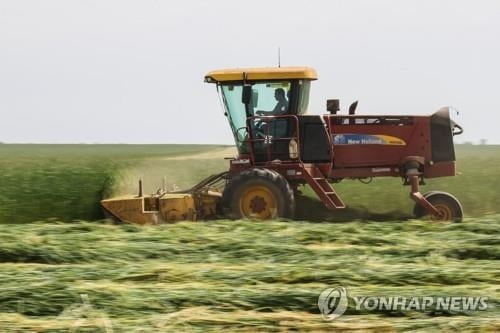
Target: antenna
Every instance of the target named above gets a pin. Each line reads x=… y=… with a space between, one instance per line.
x=279 y=56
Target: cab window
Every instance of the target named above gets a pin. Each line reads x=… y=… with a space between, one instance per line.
x=270 y=99
x=235 y=110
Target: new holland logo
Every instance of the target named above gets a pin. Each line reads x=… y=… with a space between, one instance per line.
x=367 y=139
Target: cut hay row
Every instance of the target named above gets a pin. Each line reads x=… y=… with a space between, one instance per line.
x=241 y=275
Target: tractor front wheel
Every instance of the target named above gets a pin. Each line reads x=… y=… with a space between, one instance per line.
x=448 y=206
x=261 y=194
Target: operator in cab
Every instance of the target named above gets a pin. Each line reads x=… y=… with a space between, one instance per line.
x=281 y=107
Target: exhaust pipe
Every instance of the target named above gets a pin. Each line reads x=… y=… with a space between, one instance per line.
x=140 y=188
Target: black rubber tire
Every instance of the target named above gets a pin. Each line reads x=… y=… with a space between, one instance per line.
x=443 y=199
x=271 y=179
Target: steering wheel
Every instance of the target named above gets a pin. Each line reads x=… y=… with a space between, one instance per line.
x=258 y=129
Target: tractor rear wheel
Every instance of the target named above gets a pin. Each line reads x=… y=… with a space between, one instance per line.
x=449 y=207
x=259 y=194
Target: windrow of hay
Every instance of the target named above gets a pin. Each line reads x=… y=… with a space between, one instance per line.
x=241 y=275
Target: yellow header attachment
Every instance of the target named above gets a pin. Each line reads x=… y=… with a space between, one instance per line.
x=262 y=73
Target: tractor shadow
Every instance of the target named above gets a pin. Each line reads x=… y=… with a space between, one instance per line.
x=311 y=209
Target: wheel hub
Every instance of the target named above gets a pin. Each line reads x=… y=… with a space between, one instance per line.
x=445 y=213
x=258 y=202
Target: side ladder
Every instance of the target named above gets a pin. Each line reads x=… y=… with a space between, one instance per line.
x=322 y=188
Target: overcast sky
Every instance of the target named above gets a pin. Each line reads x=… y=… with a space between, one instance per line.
x=132 y=71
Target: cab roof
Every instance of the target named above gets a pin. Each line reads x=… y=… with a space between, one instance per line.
x=261 y=73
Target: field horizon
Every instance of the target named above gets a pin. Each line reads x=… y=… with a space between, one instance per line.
x=67 y=181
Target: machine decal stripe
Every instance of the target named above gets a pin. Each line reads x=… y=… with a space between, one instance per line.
x=367 y=139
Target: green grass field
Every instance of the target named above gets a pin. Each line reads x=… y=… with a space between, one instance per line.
x=67 y=181
x=225 y=275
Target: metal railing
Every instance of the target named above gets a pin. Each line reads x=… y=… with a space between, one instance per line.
x=265 y=127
